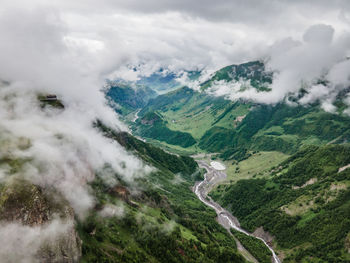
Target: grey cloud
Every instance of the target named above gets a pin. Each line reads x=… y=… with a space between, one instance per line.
x=65 y=150
x=70 y=47
x=319 y=34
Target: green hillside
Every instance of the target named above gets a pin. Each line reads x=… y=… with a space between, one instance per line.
x=282 y=162
x=304 y=203
x=165 y=222
x=219 y=125
x=280 y=128
x=153 y=126
x=190 y=112
x=153 y=218
x=253 y=71
x=129 y=98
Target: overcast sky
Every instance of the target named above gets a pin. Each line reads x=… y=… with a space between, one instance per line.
x=69 y=48
x=76 y=43
x=181 y=33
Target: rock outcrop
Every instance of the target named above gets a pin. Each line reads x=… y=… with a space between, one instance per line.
x=30 y=205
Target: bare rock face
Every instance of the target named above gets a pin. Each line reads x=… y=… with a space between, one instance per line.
x=260 y=232
x=121 y=192
x=30 y=205
x=66 y=248
x=347 y=243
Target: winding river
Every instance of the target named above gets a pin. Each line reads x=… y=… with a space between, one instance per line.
x=225 y=218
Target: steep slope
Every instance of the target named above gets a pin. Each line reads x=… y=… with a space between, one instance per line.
x=29 y=205
x=253 y=71
x=304 y=204
x=300 y=203
x=162 y=220
x=152 y=216
x=128 y=98
x=219 y=125
x=153 y=126
x=281 y=127
x=236 y=128
x=191 y=112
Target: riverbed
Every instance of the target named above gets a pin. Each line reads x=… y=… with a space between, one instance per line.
x=225 y=218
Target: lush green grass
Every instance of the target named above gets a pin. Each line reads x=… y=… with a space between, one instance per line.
x=153 y=126
x=188 y=111
x=194 y=149
x=212 y=123
x=258 y=165
x=196 y=122
x=279 y=127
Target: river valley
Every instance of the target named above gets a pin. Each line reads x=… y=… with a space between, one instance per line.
x=225 y=218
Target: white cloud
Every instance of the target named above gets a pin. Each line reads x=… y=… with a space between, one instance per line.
x=301 y=64
x=40 y=53
x=69 y=48
x=110 y=210
x=21 y=243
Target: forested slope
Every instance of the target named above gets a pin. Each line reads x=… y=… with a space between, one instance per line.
x=305 y=204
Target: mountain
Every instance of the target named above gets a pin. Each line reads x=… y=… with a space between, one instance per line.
x=153 y=126
x=161 y=81
x=153 y=218
x=165 y=80
x=33 y=206
x=129 y=98
x=304 y=203
x=253 y=71
x=163 y=222
x=288 y=178
x=220 y=125
x=286 y=164
x=188 y=111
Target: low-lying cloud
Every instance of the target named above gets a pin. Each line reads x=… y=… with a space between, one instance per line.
x=69 y=48
x=318 y=64
x=54 y=148
x=21 y=243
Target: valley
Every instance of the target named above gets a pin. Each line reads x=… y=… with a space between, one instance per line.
x=175 y=131
x=281 y=163
x=227 y=220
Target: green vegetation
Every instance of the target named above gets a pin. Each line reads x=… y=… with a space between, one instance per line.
x=259 y=164
x=152 y=126
x=254 y=71
x=190 y=118
x=176 y=149
x=255 y=246
x=213 y=124
x=282 y=174
x=193 y=112
x=152 y=154
x=165 y=222
x=318 y=230
x=129 y=98
x=279 y=128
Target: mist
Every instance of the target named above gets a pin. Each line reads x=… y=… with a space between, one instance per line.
x=318 y=64
x=57 y=148
x=70 y=49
